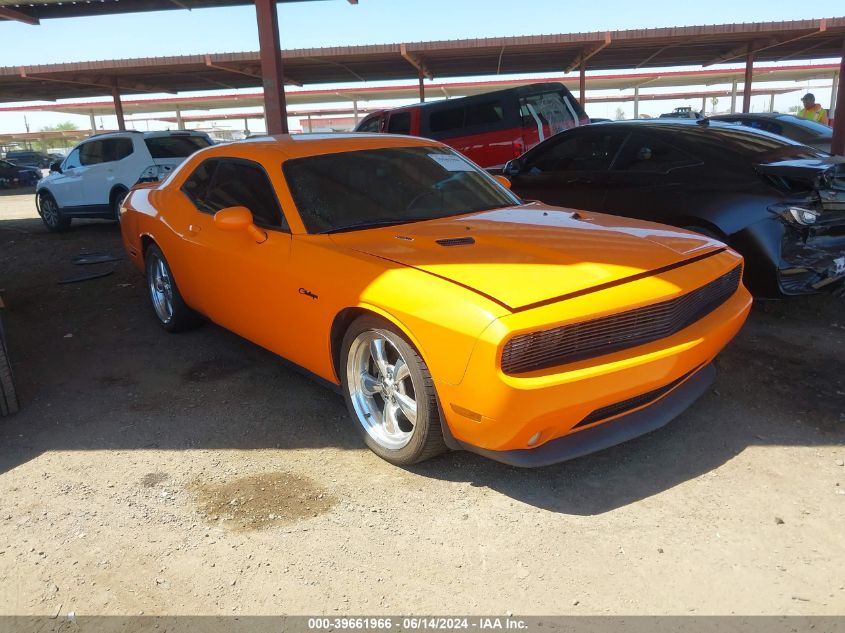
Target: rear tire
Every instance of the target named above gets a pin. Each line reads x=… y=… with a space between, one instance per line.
x=8 y=396
x=390 y=393
x=117 y=198
x=51 y=214
x=172 y=312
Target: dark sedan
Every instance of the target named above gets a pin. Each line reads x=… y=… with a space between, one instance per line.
x=12 y=175
x=28 y=158
x=800 y=130
x=779 y=203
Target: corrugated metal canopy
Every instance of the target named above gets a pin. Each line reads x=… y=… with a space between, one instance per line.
x=644 y=48
x=35 y=10
x=296 y=97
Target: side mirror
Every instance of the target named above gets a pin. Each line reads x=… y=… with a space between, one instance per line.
x=503 y=180
x=56 y=167
x=238 y=219
x=512 y=167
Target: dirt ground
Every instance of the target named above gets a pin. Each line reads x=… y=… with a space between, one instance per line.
x=197 y=474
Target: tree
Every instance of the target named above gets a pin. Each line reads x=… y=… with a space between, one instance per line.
x=61 y=127
x=713 y=103
x=620 y=114
x=67 y=126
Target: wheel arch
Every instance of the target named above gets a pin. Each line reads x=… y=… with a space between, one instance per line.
x=41 y=192
x=347 y=316
x=708 y=227
x=115 y=189
x=146 y=241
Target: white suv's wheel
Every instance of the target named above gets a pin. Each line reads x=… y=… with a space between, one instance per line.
x=50 y=213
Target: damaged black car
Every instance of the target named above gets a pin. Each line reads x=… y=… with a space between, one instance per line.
x=779 y=203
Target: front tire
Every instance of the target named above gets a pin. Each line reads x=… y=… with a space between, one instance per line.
x=51 y=214
x=172 y=312
x=390 y=393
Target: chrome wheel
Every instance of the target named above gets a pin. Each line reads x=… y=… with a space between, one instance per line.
x=161 y=289
x=382 y=390
x=49 y=211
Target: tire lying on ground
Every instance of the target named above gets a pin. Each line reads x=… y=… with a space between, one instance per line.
x=8 y=397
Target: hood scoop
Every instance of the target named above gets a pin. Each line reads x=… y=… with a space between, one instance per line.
x=456 y=241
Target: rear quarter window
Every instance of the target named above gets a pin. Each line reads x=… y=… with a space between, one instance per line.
x=175 y=146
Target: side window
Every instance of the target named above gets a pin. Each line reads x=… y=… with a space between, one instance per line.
x=399 y=123
x=72 y=161
x=117 y=149
x=91 y=153
x=488 y=113
x=371 y=125
x=196 y=186
x=446 y=119
x=652 y=155
x=244 y=184
x=576 y=152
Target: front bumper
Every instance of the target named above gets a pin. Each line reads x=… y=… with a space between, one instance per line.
x=501 y=415
x=596 y=438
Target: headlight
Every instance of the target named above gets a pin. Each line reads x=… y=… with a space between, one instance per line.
x=801 y=215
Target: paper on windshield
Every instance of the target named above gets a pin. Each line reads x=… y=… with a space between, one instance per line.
x=451 y=162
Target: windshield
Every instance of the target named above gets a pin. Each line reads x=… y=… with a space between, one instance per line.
x=366 y=188
x=756 y=146
x=812 y=126
x=175 y=146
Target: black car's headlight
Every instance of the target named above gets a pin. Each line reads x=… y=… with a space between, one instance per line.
x=796 y=215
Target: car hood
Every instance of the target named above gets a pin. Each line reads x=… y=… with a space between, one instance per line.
x=520 y=256
x=808 y=171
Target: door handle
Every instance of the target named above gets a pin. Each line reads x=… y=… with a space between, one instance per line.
x=193 y=229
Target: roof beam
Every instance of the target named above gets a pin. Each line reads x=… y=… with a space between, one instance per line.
x=18 y=16
x=641 y=83
x=806 y=49
x=589 y=51
x=104 y=82
x=761 y=45
x=415 y=61
x=243 y=70
x=653 y=55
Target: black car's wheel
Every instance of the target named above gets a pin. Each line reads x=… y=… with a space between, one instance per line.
x=389 y=393
x=117 y=198
x=170 y=309
x=51 y=214
x=8 y=396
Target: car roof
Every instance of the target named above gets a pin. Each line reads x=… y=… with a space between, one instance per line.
x=303 y=145
x=749 y=115
x=153 y=134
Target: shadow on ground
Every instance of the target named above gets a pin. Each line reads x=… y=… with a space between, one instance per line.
x=95 y=372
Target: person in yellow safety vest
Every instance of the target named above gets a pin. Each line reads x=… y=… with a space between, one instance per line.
x=812 y=111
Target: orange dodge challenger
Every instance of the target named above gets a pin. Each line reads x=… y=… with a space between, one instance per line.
x=450 y=313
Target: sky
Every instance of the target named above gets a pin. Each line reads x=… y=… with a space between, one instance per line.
x=338 y=23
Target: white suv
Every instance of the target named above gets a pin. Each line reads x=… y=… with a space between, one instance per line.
x=98 y=173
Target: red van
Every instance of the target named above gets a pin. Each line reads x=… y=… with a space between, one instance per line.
x=490 y=128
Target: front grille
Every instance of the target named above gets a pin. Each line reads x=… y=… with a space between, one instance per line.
x=577 y=341
x=632 y=403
